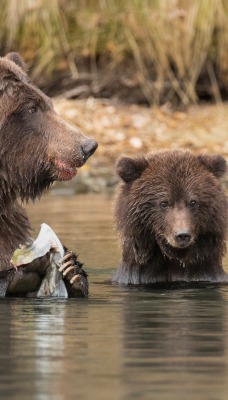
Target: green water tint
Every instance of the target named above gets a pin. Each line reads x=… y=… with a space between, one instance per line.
x=120 y=343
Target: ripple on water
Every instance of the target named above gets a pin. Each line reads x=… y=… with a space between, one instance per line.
x=120 y=343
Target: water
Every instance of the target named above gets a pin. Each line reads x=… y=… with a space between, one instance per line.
x=120 y=343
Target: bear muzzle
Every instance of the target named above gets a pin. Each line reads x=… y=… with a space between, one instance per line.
x=179 y=227
x=64 y=163
x=88 y=147
x=182 y=238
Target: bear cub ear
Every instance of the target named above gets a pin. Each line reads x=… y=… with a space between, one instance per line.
x=130 y=169
x=216 y=164
x=16 y=58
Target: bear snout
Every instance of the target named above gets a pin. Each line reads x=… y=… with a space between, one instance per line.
x=182 y=238
x=88 y=147
x=68 y=148
x=180 y=228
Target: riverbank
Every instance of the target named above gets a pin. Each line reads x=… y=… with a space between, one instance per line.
x=133 y=129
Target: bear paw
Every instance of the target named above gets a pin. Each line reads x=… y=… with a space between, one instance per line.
x=74 y=276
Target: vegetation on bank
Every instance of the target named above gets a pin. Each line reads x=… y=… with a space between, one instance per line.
x=174 y=50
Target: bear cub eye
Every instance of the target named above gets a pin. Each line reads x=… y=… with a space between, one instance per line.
x=194 y=204
x=164 y=204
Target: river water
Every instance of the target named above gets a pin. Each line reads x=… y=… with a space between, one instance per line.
x=120 y=343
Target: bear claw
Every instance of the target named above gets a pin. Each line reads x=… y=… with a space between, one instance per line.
x=68 y=269
x=66 y=256
x=74 y=276
x=65 y=265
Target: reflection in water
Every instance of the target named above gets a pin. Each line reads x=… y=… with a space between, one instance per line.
x=121 y=343
x=62 y=348
x=175 y=343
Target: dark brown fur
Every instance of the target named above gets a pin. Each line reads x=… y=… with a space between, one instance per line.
x=37 y=147
x=171 y=214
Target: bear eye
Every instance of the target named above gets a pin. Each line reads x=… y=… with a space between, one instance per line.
x=33 y=110
x=164 y=204
x=193 y=203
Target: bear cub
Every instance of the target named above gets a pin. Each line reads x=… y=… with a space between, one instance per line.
x=171 y=216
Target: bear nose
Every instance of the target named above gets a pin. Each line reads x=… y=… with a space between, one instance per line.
x=182 y=237
x=88 y=148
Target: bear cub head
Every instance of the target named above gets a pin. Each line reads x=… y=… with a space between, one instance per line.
x=171 y=203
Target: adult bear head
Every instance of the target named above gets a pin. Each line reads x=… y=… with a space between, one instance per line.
x=37 y=146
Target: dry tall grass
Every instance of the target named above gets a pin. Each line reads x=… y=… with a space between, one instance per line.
x=170 y=42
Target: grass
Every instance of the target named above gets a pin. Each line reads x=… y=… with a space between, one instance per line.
x=169 y=43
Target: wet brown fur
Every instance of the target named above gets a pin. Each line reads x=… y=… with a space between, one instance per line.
x=163 y=194
x=37 y=147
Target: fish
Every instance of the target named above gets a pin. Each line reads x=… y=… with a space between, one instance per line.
x=47 y=241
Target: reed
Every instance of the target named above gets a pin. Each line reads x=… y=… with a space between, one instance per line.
x=169 y=43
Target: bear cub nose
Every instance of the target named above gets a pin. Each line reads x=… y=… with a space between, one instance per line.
x=88 y=147
x=182 y=237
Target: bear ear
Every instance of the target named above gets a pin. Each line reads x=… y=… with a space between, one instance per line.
x=130 y=169
x=16 y=58
x=216 y=164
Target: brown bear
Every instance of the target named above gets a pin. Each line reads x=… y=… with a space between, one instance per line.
x=171 y=215
x=37 y=147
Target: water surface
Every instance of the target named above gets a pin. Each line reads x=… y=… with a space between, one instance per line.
x=120 y=343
